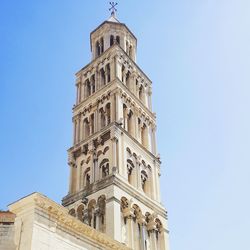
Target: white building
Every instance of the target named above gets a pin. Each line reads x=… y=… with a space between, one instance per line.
x=114 y=193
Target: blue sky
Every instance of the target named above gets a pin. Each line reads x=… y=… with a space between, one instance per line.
x=197 y=53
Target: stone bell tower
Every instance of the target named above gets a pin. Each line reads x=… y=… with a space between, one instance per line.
x=114 y=165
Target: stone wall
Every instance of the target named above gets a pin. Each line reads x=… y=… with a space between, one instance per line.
x=7 y=231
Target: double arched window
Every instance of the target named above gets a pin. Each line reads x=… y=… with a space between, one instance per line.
x=99 y=47
x=114 y=40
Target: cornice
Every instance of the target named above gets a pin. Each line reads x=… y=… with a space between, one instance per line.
x=118 y=181
x=116 y=86
x=107 y=22
x=108 y=129
x=114 y=50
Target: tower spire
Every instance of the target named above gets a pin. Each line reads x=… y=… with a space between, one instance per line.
x=113 y=8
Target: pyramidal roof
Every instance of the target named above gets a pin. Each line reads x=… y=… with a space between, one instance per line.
x=113 y=19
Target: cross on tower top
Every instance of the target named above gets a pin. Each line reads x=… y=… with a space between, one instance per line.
x=113 y=8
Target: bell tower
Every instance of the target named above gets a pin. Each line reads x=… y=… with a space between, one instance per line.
x=114 y=164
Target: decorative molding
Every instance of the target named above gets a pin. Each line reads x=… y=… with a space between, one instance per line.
x=63 y=220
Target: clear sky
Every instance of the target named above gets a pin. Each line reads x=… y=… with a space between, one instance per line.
x=197 y=52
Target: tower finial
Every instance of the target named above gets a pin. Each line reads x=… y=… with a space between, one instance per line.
x=113 y=8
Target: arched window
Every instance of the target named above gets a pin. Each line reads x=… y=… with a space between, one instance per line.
x=87 y=177
x=144 y=136
x=138 y=230
x=108 y=73
x=111 y=40
x=80 y=210
x=127 y=81
x=102 y=118
x=104 y=167
x=103 y=78
x=102 y=212
x=159 y=235
x=130 y=123
x=86 y=128
x=123 y=75
x=108 y=113
x=101 y=45
x=125 y=117
x=75 y=131
x=131 y=172
x=130 y=51
x=139 y=130
x=87 y=88
x=93 y=83
x=91 y=213
x=97 y=48
x=144 y=178
x=141 y=93
x=118 y=39
x=72 y=212
x=127 y=47
x=92 y=124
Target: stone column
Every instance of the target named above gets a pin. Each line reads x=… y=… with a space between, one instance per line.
x=150 y=98
x=119 y=107
x=97 y=79
x=138 y=175
x=132 y=83
x=124 y=74
x=96 y=167
x=106 y=74
x=142 y=223
x=145 y=136
x=74 y=131
x=145 y=96
x=112 y=69
x=154 y=149
x=77 y=93
x=133 y=125
x=113 y=218
x=73 y=176
x=151 y=227
x=77 y=130
x=113 y=108
x=137 y=90
x=80 y=92
x=78 y=127
x=125 y=119
x=70 y=178
x=82 y=89
x=136 y=126
x=98 y=120
x=128 y=215
x=157 y=183
x=92 y=152
x=81 y=129
x=115 y=134
x=119 y=70
x=150 y=147
x=97 y=219
x=85 y=216
x=91 y=132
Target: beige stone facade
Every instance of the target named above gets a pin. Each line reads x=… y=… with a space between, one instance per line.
x=42 y=224
x=114 y=194
x=114 y=164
